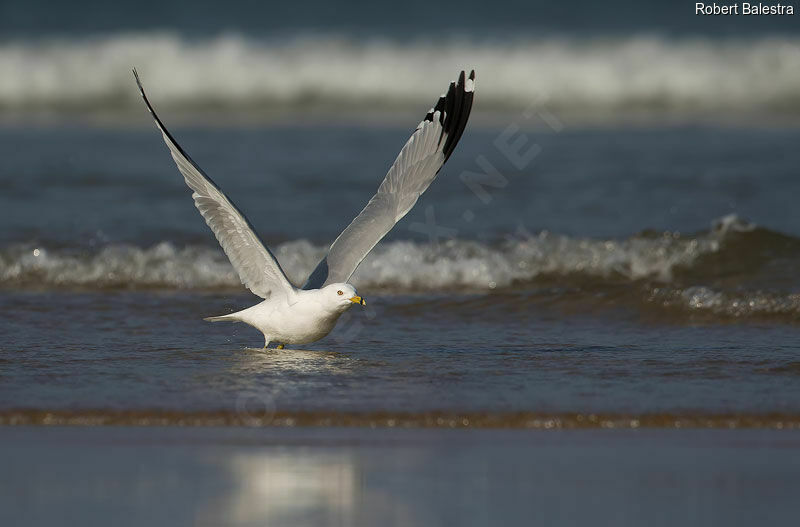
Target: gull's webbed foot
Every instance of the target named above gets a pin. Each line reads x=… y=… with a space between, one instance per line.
x=280 y=346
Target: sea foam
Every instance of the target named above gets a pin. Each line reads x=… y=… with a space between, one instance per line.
x=569 y=73
x=399 y=266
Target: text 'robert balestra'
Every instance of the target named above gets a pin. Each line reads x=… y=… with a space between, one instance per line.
x=743 y=9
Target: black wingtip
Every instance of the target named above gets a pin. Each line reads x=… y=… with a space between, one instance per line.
x=458 y=105
x=454 y=108
x=139 y=84
x=144 y=97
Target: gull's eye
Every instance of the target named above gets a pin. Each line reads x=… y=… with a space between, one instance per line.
x=339 y=293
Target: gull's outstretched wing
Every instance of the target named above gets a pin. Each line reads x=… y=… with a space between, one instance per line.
x=412 y=172
x=258 y=269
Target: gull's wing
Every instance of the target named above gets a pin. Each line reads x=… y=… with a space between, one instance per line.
x=258 y=269
x=412 y=172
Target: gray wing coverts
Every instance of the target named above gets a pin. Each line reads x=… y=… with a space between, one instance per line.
x=412 y=172
x=257 y=267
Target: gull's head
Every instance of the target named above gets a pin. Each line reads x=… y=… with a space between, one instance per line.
x=342 y=295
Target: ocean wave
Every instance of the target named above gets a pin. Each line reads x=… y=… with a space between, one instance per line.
x=707 y=301
x=399 y=266
x=569 y=73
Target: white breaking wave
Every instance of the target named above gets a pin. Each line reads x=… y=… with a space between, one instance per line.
x=604 y=74
x=742 y=304
x=393 y=266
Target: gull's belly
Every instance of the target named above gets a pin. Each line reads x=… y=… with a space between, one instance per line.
x=303 y=330
x=292 y=324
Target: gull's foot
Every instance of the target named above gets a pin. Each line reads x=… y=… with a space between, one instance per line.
x=280 y=346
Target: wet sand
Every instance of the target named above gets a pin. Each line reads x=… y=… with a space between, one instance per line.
x=359 y=476
x=255 y=413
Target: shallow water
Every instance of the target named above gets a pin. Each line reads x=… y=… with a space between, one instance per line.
x=407 y=357
x=648 y=276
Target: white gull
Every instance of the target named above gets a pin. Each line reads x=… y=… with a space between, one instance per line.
x=291 y=315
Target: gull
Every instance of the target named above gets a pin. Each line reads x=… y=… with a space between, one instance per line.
x=291 y=315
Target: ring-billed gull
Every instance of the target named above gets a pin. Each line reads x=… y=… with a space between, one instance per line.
x=289 y=315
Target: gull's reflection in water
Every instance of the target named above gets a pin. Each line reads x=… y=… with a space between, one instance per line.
x=272 y=373
x=292 y=361
x=294 y=486
x=281 y=488
x=261 y=382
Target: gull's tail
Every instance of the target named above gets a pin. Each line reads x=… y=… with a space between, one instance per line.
x=223 y=318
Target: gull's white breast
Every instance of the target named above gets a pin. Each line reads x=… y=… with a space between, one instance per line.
x=299 y=320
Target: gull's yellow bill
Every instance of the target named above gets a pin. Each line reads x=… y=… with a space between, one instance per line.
x=358 y=300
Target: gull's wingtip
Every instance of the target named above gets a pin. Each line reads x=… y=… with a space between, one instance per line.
x=469 y=86
x=144 y=95
x=138 y=81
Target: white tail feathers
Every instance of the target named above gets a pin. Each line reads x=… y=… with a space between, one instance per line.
x=223 y=318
